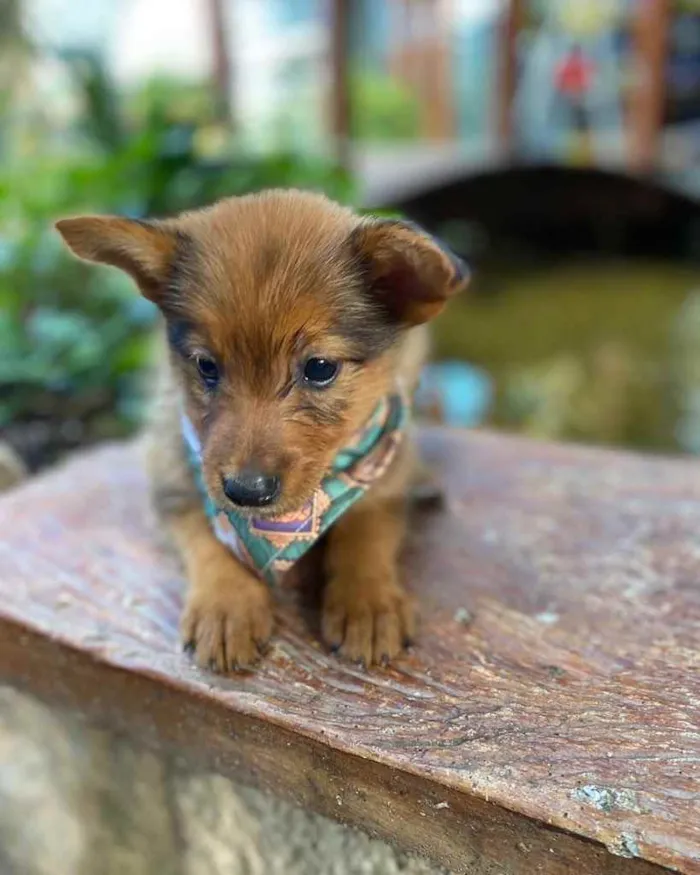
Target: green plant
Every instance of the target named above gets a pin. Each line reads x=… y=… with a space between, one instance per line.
x=383 y=111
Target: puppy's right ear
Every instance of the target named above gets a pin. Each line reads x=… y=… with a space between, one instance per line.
x=144 y=250
x=407 y=272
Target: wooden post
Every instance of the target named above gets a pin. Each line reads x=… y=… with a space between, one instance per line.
x=420 y=60
x=221 y=61
x=507 y=75
x=650 y=32
x=340 y=109
x=439 y=106
x=405 y=60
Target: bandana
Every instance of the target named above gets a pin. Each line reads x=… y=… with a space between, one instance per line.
x=269 y=546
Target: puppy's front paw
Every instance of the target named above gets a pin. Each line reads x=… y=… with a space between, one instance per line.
x=368 y=621
x=227 y=622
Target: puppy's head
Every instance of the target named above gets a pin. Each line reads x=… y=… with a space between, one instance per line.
x=283 y=314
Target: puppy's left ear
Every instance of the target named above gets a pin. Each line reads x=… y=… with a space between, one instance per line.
x=144 y=250
x=408 y=272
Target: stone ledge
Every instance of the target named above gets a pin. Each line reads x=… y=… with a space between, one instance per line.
x=74 y=799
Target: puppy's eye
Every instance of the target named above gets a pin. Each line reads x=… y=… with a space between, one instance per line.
x=320 y=372
x=208 y=371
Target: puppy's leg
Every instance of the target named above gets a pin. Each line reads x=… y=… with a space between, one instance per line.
x=367 y=615
x=227 y=619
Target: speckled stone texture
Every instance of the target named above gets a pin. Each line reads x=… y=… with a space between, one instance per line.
x=80 y=801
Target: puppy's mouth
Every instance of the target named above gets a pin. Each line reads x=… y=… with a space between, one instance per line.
x=252 y=513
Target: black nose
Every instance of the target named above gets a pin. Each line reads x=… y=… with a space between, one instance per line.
x=250 y=489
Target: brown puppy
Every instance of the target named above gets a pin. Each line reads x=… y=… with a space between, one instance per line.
x=288 y=318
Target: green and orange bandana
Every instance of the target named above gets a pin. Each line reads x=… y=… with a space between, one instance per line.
x=270 y=546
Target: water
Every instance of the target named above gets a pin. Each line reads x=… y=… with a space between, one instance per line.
x=604 y=352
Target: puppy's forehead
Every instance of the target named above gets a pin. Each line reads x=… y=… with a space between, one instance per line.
x=269 y=270
x=262 y=241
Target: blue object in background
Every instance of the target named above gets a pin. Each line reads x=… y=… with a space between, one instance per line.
x=687 y=431
x=462 y=392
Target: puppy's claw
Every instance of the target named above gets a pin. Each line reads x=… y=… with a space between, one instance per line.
x=333 y=628
x=237 y=668
x=262 y=646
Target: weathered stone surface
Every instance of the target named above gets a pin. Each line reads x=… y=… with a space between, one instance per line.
x=217 y=832
x=80 y=801
x=40 y=826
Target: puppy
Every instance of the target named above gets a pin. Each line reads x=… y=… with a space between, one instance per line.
x=294 y=335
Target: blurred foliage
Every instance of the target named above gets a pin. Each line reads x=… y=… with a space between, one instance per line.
x=383 y=110
x=74 y=339
x=175 y=98
x=15 y=50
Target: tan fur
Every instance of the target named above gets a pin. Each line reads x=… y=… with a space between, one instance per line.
x=259 y=284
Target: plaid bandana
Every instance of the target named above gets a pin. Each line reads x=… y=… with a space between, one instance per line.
x=270 y=546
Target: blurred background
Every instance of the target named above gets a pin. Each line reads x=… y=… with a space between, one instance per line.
x=553 y=143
